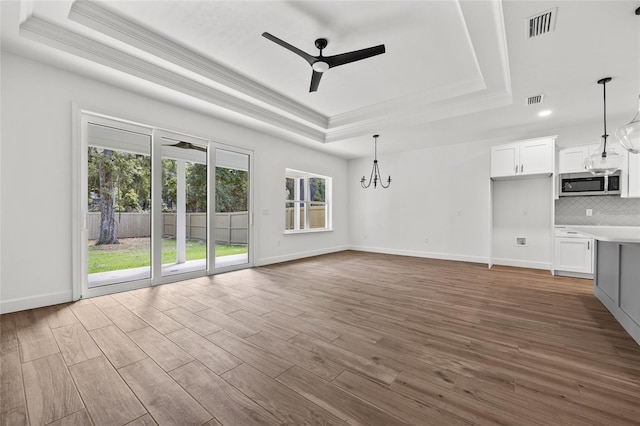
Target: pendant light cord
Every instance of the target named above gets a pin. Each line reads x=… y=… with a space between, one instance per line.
x=604 y=115
x=604 y=98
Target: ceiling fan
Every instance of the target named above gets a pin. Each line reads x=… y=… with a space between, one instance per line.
x=320 y=63
x=185 y=145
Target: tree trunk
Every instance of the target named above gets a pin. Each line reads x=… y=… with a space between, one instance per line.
x=108 y=229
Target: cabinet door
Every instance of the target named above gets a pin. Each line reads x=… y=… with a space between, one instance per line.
x=536 y=156
x=634 y=175
x=574 y=255
x=505 y=160
x=571 y=160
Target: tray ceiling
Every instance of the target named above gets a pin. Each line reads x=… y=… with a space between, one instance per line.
x=446 y=62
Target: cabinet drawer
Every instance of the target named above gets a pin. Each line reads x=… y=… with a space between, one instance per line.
x=564 y=232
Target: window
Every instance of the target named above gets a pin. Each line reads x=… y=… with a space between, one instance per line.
x=307 y=202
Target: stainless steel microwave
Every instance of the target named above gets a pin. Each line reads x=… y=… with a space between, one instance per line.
x=574 y=184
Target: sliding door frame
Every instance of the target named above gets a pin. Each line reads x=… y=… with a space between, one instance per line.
x=250 y=231
x=79 y=146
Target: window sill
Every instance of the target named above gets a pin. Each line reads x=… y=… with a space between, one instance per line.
x=308 y=231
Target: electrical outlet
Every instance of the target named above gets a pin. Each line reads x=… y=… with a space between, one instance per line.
x=589 y=212
x=426 y=240
x=521 y=241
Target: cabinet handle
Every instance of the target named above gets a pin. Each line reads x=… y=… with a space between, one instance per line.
x=588 y=245
x=521 y=168
x=516 y=168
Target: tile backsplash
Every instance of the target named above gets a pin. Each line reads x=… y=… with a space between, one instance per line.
x=607 y=210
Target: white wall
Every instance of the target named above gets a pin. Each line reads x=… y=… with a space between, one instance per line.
x=35 y=176
x=522 y=208
x=440 y=195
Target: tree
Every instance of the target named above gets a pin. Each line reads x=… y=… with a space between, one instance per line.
x=122 y=182
x=231 y=190
x=107 y=187
x=169 y=184
x=196 y=187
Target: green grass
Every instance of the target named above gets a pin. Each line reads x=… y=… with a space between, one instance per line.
x=135 y=253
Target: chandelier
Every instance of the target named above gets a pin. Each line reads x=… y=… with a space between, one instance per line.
x=375 y=171
x=605 y=161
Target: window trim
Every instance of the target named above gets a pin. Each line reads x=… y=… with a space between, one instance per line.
x=307 y=176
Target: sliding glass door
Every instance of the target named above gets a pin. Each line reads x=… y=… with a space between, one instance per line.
x=146 y=200
x=184 y=203
x=232 y=219
x=118 y=204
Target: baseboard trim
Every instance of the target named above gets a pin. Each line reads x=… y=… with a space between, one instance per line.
x=573 y=274
x=32 y=302
x=424 y=254
x=628 y=323
x=296 y=256
x=522 y=264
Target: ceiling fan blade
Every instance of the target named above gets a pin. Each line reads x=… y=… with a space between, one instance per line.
x=315 y=81
x=188 y=145
x=356 y=55
x=304 y=55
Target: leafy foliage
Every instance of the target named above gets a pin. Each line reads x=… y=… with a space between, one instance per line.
x=317 y=190
x=232 y=187
x=129 y=174
x=120 y=181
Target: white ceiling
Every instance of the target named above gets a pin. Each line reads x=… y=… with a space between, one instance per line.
x=453 y=71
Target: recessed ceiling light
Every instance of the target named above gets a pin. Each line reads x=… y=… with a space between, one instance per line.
x=544 y=113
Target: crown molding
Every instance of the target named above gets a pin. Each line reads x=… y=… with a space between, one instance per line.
x=53 y=35
x=457 y=107
x=400 y=107
x=104 y=20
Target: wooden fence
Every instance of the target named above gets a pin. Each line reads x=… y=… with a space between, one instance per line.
x=317 y=217
x=231 y=228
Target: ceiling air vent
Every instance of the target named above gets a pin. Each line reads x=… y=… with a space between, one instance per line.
x=542 y=23
x=535 y=100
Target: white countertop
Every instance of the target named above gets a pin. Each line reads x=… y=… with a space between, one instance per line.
x=620 y=234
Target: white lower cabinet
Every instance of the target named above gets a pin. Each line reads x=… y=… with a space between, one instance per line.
x=573 y=254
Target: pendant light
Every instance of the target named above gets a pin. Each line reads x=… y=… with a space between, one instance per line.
x=605 y=161
x=375 y=170
x=629 y=134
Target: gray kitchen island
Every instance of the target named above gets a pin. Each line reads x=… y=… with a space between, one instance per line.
x=616 y=280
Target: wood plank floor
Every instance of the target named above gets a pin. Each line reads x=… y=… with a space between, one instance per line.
x=344 y=339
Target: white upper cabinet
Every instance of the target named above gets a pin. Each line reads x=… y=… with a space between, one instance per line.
x=505 y=160
x=634 y=175
x=630 y=177
x=571 y=159
x=525 y=158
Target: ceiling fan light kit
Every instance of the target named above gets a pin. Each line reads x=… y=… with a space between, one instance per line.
x=606 y=160
x=320 y=64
